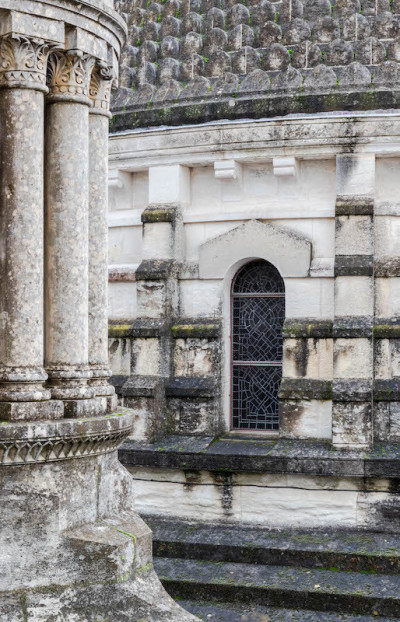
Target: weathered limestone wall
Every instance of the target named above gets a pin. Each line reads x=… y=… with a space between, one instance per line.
x=203 y=200
x=276 y=501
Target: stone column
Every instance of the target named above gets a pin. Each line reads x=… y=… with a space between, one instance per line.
x=66 y=234
x=100 y=89
x=23 y=61
x=354 y=302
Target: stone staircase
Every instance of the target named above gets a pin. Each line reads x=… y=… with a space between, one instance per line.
x=236 y=573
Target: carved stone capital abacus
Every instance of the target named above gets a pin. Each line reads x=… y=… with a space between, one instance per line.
x=100 y=89
x=68 y=76
x=23 y=62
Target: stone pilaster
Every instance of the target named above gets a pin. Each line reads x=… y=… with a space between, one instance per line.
x=23 y=61
x=100 y=90
x=354 y=301
x=66 y=233
x=157 y=296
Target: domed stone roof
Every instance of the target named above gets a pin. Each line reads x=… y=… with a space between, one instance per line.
x=188 y=61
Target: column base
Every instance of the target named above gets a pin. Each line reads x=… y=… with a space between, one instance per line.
x=94 y=407
x=31 y=411
x=72 y=540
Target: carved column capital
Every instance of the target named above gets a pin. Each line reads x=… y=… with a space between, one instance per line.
x=100 y=89
x=68 y=76
x=23 y=62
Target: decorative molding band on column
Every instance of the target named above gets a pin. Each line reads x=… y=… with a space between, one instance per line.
x=42 y=442
x=23 y=62
x=354 y=265
x=68 y=76
x=100 y=89
x=354 y=205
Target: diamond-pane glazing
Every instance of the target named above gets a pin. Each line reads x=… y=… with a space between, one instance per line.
x=255 y=397
x=257 y=328
x=258 y=313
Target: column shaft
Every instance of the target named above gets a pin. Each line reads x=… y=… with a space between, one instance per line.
x=98 y=256
x=22 y=394
x=66 y=235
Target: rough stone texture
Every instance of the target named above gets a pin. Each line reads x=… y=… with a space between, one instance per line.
x=76 y=524
x=21 y=264
x=98 y=235
x=200 y=61
x=67 y=194
x=73 y=546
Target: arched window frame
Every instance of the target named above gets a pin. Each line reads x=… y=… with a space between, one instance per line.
x=269 y=421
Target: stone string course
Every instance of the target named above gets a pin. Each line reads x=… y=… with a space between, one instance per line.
x=182 y=51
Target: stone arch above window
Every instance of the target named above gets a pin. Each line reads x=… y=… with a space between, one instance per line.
x=289 y=252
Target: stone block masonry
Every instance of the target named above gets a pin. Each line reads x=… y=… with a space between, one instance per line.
x=192 y=61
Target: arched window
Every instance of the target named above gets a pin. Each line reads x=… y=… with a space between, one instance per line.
x=258 y=313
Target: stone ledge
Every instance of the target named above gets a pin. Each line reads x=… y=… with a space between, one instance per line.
x=389 y=328
x=147 y=328
x=354 y=265
x=353 y=327
x=305 y=389
x=354 y=206
x=160 y=213
x=387 y=390
x=307 y=328
x=141 y=386
x=196 y=329
x=358 y=390
x=155 y=270
x=230 y=453
x=387 y=267
x=119 y=329
x=191 y=386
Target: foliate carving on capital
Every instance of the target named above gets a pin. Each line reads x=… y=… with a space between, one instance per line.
x=23 y=61
x=69 y=74
x=100 y=89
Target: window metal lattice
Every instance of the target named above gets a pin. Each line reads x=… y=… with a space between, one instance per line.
x=258 y=313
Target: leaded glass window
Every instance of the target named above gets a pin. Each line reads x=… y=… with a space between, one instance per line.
x=258 y=313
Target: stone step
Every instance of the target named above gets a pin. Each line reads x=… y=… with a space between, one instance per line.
x=282 y=586
x=333 y=550
x=230 y=612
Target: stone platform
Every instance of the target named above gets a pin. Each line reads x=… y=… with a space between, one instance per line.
x=274 y=483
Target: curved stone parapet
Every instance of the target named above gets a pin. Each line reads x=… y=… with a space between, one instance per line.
x=66 y=439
